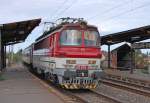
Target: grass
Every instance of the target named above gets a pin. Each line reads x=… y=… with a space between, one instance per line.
x=145 y=71
x=1 y=77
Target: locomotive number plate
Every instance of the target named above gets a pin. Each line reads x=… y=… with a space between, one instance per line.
x=81 y=67
x=84 y=67
x=82 y=73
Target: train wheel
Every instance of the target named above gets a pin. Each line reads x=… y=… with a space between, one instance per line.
x=31 y=68
x=46 y=75
x=35 y=71
x=42 y=74
x=55 y=79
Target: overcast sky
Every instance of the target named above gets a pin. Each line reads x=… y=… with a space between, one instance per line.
x=109 y=15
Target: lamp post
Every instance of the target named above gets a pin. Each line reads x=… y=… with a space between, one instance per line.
x=148 y=56
x=1 y=64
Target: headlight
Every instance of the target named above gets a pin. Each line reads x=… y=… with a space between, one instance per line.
x=52 y=65
x=70 y=61
x=92 y=62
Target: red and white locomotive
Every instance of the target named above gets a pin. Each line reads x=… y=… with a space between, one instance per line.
x=68 y=54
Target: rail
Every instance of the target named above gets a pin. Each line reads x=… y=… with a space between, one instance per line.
x=126 y=85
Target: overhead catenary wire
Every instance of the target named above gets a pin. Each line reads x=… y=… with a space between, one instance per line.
x=67 y=8
x=59 y=8
x=126 y=12
x=106 y=11
x=109 y=10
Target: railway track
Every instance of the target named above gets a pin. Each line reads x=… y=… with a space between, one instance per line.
x=132 y=81
x=84 y=96
x=91 y=96
x=132 y=87
x=78 y=96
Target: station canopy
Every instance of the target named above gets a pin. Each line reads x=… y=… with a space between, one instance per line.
x=16 y=32
x=131 y=36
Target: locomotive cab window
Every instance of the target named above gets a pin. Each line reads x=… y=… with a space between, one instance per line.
x=71 y=37
x=91 y=38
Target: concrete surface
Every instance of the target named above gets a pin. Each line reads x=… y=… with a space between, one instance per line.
x=20 y=86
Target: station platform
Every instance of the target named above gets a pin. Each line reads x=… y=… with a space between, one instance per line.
x=20 y=86
x=135 y=75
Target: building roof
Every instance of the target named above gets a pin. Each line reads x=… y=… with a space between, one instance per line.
x=131 y=36
x=17 y=32
x=123 y=47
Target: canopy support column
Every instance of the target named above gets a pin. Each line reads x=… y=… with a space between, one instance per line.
x=109 y=58
x=132 y=60
x=1 y=64
x=4 y=56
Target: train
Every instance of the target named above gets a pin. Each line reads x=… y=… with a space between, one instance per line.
x=68 y=54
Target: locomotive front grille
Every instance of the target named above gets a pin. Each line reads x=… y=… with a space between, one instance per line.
x=82 y=73
x=79 y=84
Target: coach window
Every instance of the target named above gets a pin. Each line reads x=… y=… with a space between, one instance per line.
x=71 y=37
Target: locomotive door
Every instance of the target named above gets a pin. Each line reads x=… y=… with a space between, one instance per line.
x=52 y=44
x=31 y=55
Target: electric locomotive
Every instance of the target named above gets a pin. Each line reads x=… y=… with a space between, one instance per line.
x=68 y=54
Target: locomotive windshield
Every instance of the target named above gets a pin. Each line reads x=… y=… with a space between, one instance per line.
x=91 y=38
x=74 y=38
x=71 y=37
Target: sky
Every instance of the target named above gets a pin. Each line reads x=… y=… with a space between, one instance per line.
x=109 y=16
